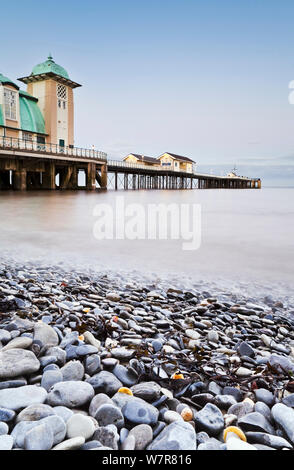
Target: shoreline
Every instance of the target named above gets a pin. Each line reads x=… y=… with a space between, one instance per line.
x=190 y=362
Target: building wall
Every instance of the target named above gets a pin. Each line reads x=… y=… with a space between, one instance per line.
x=131 y=159
x=167 y=161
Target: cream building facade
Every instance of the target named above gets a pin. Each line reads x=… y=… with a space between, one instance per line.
x=44 y=113
x=168 y=161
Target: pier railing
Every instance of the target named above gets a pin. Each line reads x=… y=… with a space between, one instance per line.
x=122 y=164
x=11 y=143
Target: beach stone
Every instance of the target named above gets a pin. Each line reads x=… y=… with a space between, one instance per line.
x=261 y=394
x=63 y=412
x=57 y=426
x=288 y=401
x=243 y=372
x=99 y=400
x=5 y=336
x=51 y=377
x=93 y=364
x=107 y=437
x=90 y=339
x=276 y=442
x=129 y=443
x=105 y=382
x=35 y=413
x=86 y=349
x=39 y=438
x=16 y=362
x=255 y=422
x=280 y=364
x=210 y=419
x=21 y=342
x=91 y=445
x=72 y=370
x=70 y=444
x=213 y=336
x=235 y=392
x=3 y=428
x=176 y=436
x=113 y=296
x=245 y=349
x=241 y=409
x=210 y=444
x=80 y=425
x=6 y=415
x=123 y=353
x=138 y=411
x=264 y=409
x=71 y=394
x=142 y=434
x=148 y=391
x=21 y=397
x=109 y=414
x=45 y=335
x=157 y=345
x=6 y=442
x=58 y=353
x=193 y=334
x=284 y=418
x=128 y=377
x=224 y=402
x=170 y=416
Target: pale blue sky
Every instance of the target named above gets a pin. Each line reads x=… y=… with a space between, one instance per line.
x=203 y=78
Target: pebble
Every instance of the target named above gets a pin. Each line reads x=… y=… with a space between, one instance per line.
x=176 y=436
x=70 y=444
x=142 y=435
x=284 y=417
x=137 y=411
x=71 y=394
x=16 y=362
x=210 y=419
x=80 y=425
x=109 y=414
x=6 y=442
x=105 y=382
x=39 y=438
x=21 y=397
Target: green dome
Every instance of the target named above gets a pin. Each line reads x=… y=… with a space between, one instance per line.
x=50 y=66
x=7 y=81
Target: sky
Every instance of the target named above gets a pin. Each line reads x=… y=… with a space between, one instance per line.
x=207 y=79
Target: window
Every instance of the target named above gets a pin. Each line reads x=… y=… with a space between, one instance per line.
x=10 y=104
x=27 y=136
x=61 y=91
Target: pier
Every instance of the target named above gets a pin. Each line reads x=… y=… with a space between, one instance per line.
x=26 y=165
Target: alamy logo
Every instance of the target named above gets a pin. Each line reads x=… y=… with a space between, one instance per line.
x=149 y=222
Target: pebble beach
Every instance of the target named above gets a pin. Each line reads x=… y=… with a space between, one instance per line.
x=90 y=361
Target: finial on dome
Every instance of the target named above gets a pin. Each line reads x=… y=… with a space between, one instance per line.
x=50 y=56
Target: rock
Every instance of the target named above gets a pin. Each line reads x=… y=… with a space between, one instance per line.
x=243 y=372
x=213 y=336
x=261 y=394
x=224 y=402
x=16 y=362
x=235 y=392
x=71 y=394
x=63 y=412
x=80 y=425
x=72 y=370
x=58 y=353
x=265 y=410
x=35 y=413
x=193 y=334
x=109 y=414
x=245 y=349
x=21 y=397
x=284 y=417
x=113 y=296
x=280 y=364
x=6 y=442
x=21 y=342
x=70 y=444
x=148 y=391
x=238 y=444
x=105 y=382
x=127 y=376
x=90 y=339
x=255 y=422
x=57 y=426
x=129 y=443
x=176 y=436
x=142 y=434
x=268 y=439
x=91 y=445
x=288 y=401
x=5 y=336
x=44 y=336
x=51 y=377
x=171 y=416
x=86 y=349
x=210 y=419
x=3 y=428
x=93 y=364
x=107 y=437
x=241 y=409
x=6 y=415
x=98 y=400
x=39 y=438
x=123 y=353
x=138 y=411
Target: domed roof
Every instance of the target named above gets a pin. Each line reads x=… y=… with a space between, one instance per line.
x=50 y=66
x=7 y=81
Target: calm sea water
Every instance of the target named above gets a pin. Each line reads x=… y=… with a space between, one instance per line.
x=247 y=236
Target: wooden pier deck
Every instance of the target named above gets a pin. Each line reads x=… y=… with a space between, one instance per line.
x=29 y=165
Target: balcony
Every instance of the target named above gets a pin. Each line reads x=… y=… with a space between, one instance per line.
x=10 y=143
